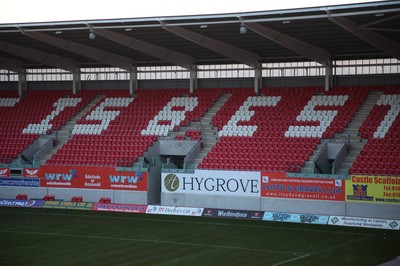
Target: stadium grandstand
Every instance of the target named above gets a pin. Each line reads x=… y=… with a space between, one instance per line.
x=209 y=111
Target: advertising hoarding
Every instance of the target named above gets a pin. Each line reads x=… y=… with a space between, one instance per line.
x=373 y=189
x=113 y=207
x=233 y=214
x=228 y=183
x=172 y=210
x=19 y=182
x=4 y=172
x=92 y=177
x=278 y=185
x=364 y=222
x=295 y=218
x=21 y=203
x=57 y=204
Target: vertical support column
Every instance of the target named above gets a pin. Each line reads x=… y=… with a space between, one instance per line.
x=133 y=80
x=193 y=79
x=76 y=80
x=22 y=85
x=328 y=77
x=258 y=78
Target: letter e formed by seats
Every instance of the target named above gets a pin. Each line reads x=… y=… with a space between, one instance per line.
x=232 y=129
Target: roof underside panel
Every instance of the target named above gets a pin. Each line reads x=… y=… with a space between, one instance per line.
x=309 y=25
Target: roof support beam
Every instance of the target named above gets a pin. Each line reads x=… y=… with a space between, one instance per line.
x=156 y=51
x=38 y=56
x=230 y=51
x=10 y=64
x=80 y=49
x=382 y=43
x=307 y=50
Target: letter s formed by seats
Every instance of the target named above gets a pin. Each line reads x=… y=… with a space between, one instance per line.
x=104 y=116
x=324 y=117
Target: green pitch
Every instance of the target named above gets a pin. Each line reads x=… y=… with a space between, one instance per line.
x=67 y=237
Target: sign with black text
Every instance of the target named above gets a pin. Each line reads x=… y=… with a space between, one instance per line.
x=229 y=183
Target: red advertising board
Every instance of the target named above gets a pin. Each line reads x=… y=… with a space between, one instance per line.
x=31 y=172
x=4 y=172
x=278 y=185
x=92 y=177
x=111 y=207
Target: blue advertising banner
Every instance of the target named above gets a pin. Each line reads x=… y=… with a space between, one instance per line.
x=295 y=218
x=20 y=182
x=21 y=203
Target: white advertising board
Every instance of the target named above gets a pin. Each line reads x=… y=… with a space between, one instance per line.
x=211 y=182
x=364 y=222
x=172 y=210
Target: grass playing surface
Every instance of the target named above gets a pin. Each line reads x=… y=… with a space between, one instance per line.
x=68 y=237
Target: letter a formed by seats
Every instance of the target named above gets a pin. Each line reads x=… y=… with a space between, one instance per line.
x=172 y=114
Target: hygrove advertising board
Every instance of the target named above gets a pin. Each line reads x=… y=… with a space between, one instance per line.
x=277 y=185
x=373 y=189
x=211 y=182
x=92 y=177
x=364 y=222
x=295 y=218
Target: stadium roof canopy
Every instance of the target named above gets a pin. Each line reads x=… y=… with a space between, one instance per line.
x=342 y=32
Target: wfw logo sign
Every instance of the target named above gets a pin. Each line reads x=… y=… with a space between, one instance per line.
x=171 y=182
x=61 y=177
x=126 y=179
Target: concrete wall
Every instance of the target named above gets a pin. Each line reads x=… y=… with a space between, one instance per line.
x=303 y=206
x=32 y=192
x=176 y=147
x=373 y=210
x=154 y=174
x=66 y=194
x=216 y=201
